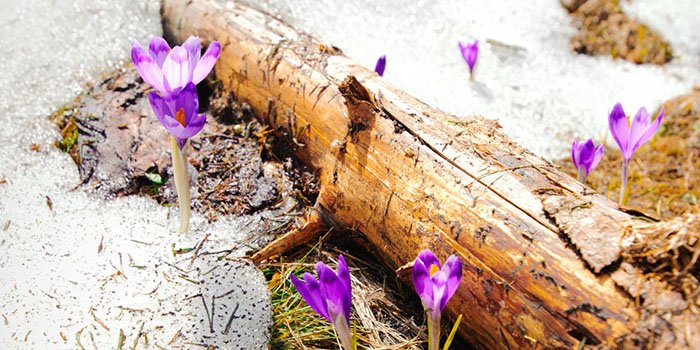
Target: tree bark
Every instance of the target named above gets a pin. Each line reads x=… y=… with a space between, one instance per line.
x=409 y=177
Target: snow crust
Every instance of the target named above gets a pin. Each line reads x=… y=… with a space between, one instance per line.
x=82 y=270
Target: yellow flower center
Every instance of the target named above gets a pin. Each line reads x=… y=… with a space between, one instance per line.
x=628 y=121
x=180 y=116
x=433 y=269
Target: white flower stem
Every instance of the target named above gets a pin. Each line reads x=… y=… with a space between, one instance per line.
x=582 y=174
x=623 y=186
x=342 y=331
x=182 y=185
x=433 y=333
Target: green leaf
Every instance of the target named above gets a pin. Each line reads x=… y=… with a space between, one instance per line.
x=452 y=333
x=155 y=178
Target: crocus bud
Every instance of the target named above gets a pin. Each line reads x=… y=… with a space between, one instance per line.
x=330 y=296
x=470 y=52
x=586 y=156
x=381 y=64
x=435 y=285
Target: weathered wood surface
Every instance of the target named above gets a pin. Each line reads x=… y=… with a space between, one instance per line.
x=411 y=177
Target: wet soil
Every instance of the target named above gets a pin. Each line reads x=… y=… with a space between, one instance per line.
x=604 y=29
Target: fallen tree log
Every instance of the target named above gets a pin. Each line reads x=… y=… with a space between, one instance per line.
x=410 y=177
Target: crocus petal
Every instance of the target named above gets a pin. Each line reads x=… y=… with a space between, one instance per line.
x=206 y=63
x=638 y=126
x=381 y=64
x=188 y=100
x=158 y=48
x=421 y=277
x=176 y=68
x=194 y=50
x=159 y=105
x=194 y=126
x=453 y=270
x=439 y=284
x=586 y=154
x=619 y=128
x=472 y=53
x=651 y=129
x=574 y=153
x=463 y=50
x=428 y=259
x=146 y=66
x=311 y=292
x=596 y=157
x=181 y=142
x=344 y=276
x=173 y=126
x=333 y=290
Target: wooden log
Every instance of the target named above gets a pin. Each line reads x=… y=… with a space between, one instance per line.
x=410 y=177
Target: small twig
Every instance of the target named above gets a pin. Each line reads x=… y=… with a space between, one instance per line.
x=197 y=249
x=175 y=336
x=92 y=312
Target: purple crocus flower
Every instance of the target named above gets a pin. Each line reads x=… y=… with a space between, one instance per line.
x=435 y=285
x=586 y=157
x=381 y=64
x=470 y=53
x=630 y=134
x=178 y=112
x=167 y=69
x=330 y=296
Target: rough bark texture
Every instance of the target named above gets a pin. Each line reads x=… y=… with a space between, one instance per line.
x=410 y=177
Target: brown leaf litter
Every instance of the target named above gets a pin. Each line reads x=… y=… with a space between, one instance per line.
x=604 y=29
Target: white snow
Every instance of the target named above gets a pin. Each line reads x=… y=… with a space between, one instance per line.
x=527 y=76
x=59 y=267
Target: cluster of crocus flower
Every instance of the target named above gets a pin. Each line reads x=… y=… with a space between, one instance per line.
x=629 y=134
x=331 y=295
x=173 y=73
x=470 y=52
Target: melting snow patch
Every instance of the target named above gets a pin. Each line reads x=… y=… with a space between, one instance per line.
x=527 y=75
x=80 y=270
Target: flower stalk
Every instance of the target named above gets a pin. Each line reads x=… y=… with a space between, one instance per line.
x=182 y=185
x=433 y=332
x=624 y=188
